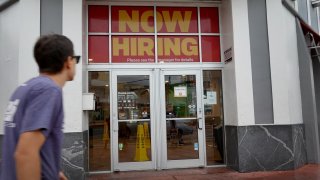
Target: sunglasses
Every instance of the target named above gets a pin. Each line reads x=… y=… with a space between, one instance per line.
x=77 y=58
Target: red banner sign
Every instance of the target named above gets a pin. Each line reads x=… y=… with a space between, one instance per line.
x=129 y=46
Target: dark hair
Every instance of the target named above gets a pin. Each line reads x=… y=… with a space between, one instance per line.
x=51 y=52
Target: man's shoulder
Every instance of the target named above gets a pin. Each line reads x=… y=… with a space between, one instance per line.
x=42 y=84
x=36 y=87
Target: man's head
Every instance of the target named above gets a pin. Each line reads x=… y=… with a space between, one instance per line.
x=54 y=54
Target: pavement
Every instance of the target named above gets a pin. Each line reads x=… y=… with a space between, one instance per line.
x=307 y=172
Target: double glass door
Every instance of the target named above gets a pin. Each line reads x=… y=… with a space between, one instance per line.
x=157 y=120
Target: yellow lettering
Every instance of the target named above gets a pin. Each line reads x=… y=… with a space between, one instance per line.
x=117 y=46
x=144 y=21
x=177 y=18
x=133 y=49
x=173 y=47
x=160 y=46
x=132 y=21
x=146 y=46
x=159 y=21
x=189 y=47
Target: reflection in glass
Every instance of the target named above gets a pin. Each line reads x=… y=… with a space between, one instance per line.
x=181 y=102
x=182 y=139
x=134 y=140
x=99 y=123
x=133 y=97
x=212 y=86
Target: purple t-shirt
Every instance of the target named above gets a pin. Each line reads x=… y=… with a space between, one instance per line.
x=35 y=105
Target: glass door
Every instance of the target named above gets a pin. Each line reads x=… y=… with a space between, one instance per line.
x=181 y=119
x=133 y=124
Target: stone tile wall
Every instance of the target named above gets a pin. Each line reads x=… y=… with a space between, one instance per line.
x=265 y=148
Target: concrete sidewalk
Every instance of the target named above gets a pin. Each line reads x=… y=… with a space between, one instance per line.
x=307 y=172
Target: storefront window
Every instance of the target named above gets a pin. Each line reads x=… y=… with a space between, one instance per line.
x=178 y=49
x=177 y=20
x=209 y=19
x=98 y=19
x=99 y=123
x=210 y=48
x=132 y=49
x=98 y=29
x=212 y=86
x=98 y=55
x=132 y=19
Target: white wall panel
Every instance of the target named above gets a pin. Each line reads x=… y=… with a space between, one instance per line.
x=295 y=104
x=229 y=81
x=242 y=58
x=19 y=29
x=284 y=64
x=29 y=33
x=278 y=61
x=72 y=28
x=9 y=55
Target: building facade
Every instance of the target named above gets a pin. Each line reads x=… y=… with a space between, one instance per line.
x=177 y=84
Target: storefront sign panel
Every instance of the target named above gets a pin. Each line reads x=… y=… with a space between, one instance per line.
x=209 y=19
x=98 y=18
x=177 y=20
x=98 y=49
x=133 y=19
x=178 y=49
x=210 y=49
x=133 y=49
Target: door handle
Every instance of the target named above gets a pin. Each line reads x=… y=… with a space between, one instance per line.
x=199 y=123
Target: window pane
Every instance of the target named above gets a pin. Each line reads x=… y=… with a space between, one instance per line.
x=134 y=140
x=99 y=123
x=181 y=96
x=210 y=48
x=177 y=20
x=132 y=135
x=133 y=97
x=98 y=19
x=178 y=49
x=98 y=49
x=214 y=124
x=134 y=19
x=209 y=19
x=182 y=139
x=133 y=49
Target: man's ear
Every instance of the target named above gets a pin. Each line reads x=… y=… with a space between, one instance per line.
x=68 y=62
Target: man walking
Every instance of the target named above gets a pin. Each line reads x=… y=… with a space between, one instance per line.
x=34 y=117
